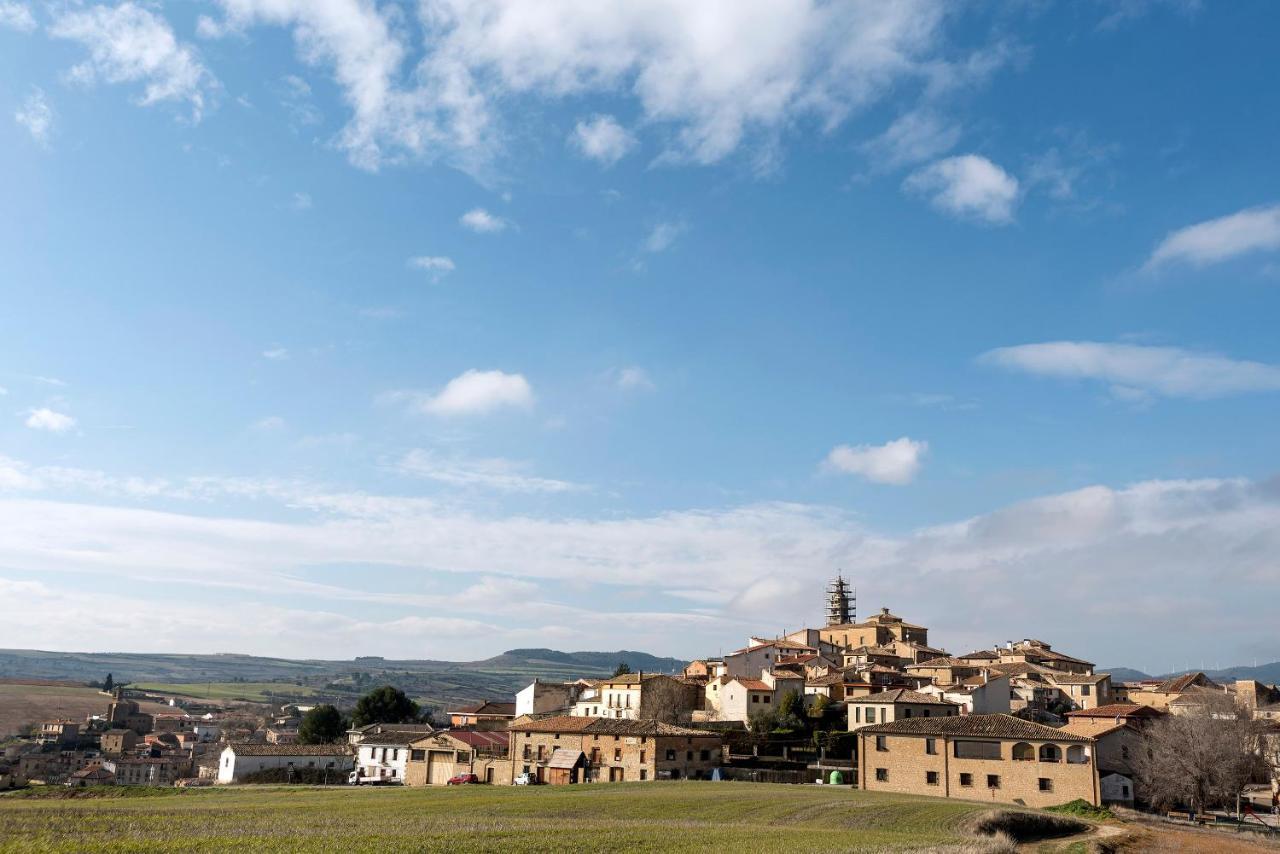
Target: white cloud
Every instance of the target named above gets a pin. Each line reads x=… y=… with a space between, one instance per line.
x=966 y=580
x=968 y=186
x=602 y=139
x=436 y=266
x=914 y=137
x=634 y=379
x=47 y=419
x=478 y=392
x=1134 y=371
x=1247 y=231
x=488 y=473
x=16 y=16
x=481 y=221
x=276 y=353
x=300 y=202
x=36 y=116
x=710 y=74
x=896 y=462
x=663 y=236
x=129 y=43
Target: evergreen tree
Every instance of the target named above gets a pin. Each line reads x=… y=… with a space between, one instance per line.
x=622 y=669
x=385 y=705
x=322 y=725
x=109 y=684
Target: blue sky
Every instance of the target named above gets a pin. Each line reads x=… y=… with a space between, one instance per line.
x=431 y=330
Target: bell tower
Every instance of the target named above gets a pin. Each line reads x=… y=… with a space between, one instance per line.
x=842 y=602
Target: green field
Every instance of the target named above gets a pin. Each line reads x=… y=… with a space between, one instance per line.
x=254 y=692
x=618 y=817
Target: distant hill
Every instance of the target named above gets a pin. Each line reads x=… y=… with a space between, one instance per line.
x=440 y=683
x=1268 y=674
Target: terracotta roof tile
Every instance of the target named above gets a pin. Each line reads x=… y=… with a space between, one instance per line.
x=992 y=726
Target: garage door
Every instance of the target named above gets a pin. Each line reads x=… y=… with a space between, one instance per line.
x=439 y=767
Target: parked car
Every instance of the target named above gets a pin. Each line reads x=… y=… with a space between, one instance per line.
x=463 y=779
x=525 y=779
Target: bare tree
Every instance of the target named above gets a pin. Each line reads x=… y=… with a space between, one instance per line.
x=1201 y=757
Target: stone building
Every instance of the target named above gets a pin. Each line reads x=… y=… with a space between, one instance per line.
x=147 y=770
x=642 y=696
x=616 y=750
x=435 y=758
x=486 y=715
x=888 y=706
x=996 y=758
x=240 y=760
x=117 y=741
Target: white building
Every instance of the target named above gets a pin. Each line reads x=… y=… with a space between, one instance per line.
x=383 y=757
x=975 y=696
x=240 y=760
x=547 y=698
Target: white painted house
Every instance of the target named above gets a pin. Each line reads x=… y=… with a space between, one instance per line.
x=240 y=760
x=382 y=758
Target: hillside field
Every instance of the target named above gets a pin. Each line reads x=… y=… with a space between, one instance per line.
x=616 y=817
x=23 y=704
x=253 y=692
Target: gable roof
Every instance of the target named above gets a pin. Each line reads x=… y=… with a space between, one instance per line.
x=1117 y=710
x=607 y=726
x=488 y=707
x=902 y=695
x=1182 y=683
x=943 y=661
x=989 y=726
x=1080 y=727
x=752 y=684
x=984 y=654
x=252 y=749
x=1077 y=679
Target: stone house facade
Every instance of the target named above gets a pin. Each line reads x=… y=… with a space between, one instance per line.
x=899 y=704
x=995 y=758
x=616 y=750
x=435 y=758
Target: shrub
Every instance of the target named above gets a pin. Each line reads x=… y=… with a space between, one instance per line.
x=1083 y=809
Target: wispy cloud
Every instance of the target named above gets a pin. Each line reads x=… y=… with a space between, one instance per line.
x=896 y=462
x=435 y=266
x=17 y=16
x=633 y=379
x=1134 y=371
x=1245 y=232
x=663 y=236
x=276 y=353
x=493 y=473
x=968 y=186
x=36 y=116
x=129 y=43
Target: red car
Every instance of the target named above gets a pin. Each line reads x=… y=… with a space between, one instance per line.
x=463 y=779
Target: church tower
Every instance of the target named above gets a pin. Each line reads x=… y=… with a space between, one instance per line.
x=842 y=602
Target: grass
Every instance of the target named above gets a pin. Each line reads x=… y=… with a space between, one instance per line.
x=685 y=816
x=253 y=692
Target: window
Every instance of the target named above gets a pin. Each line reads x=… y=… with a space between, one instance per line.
x=931 y=746
x=966 y=779
x=644 y=774
x=704 y=755
x=871 y=714
x=1050 y=753
x=977 y=749
x=1125 y=791
x=526 y=769
x=642 y=757
x=993 y=781
x=1046 y=785
x=1023 y=752
x=617 y=754
x=1084 y=690
x=671 y=755
x=1124 y=752
x=906 y=713
x=1077 y=756
x=755 y=698
x=767 y=698
x=882 y=775
x=417 y=755
x=688 y=757
x=881 y=743
x=931 y=778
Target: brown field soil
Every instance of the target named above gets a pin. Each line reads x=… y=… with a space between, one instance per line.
x=23 y=703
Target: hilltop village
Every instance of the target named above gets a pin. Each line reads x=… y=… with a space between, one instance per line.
x=870 y=702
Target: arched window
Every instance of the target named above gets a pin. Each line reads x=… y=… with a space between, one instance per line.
x=1076 y=755
x=1023 y=752
x=1050 y=753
